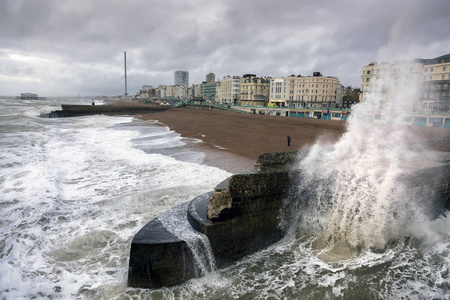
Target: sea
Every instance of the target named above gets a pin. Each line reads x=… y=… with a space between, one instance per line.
x=75 y=191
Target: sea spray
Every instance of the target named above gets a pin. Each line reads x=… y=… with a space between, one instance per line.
x=357 y=194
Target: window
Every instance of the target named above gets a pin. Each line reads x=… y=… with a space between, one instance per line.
x=431 y=70
x=426 y=70
x=367 y=79
x=444 y=68
x=368 y=72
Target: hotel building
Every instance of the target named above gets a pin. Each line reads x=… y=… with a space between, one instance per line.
x=425 y=82
x=254 y=91
x=315 y=91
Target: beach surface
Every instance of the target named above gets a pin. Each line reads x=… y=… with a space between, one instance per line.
x=232 y=141
x=248 y=135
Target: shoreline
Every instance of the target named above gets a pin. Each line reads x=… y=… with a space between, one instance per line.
x=233 y=141
x=248 y=135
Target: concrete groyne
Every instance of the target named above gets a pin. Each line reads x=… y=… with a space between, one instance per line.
x=242 y=216
x=71 y=110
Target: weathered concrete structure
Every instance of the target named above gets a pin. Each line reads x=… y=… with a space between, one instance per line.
x=159 y=258
x=83 y=110
x=241 y=216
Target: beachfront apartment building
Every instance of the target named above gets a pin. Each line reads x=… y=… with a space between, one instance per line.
x=218 y=91
x=278 y=95
x=229 y=90
x=194 y=91
x=254 y=91
x=418 y=84
x=172 y=91
x=385 y=84
x=435 y=89
x=315 y=91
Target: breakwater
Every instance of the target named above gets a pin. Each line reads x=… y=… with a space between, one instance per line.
x=70 y=110
x=242 y=216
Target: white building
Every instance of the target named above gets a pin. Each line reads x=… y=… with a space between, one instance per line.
x=278 y=91
x=229 y=90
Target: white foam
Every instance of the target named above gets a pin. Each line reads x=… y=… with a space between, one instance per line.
x=73 y=195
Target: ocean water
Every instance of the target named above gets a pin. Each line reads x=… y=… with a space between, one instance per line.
x=74 y=192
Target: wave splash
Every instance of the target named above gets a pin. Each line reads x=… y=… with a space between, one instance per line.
x=358 y=193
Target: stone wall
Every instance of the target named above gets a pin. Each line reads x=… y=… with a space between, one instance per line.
x=158 y=258
x=244 y=217
x=252 y=220
x=83 y=110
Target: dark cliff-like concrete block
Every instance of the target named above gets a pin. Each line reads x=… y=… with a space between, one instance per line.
x=279 y=159
x=253 y=193
x=158 y=258
x=235 y=238
x=247 y=217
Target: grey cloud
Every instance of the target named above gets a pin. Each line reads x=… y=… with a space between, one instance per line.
x=86 y=39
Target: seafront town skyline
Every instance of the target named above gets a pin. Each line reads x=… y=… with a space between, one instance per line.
x=429 y=78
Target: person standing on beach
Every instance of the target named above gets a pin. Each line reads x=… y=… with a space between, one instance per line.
x=289 y=140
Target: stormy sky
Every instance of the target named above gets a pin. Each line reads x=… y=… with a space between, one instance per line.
x=75 y=47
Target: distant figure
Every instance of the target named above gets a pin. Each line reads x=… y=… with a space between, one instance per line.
x=289 y=140
x=93 y=103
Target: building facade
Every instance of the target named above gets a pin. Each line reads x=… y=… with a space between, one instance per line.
x=171 y=91
x=210 y=77
x=229 y=90
x=435 y=90
x=425 y=82
x=278 y=91
x=315 y=91
x=181 y=78
x=383 y=83
x=254 y=91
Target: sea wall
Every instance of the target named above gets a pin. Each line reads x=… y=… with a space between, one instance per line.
x=243 y=215
x=158 y=258
x=251 y=220
x=70 y=110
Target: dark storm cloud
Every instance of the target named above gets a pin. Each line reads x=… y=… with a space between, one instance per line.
x=66 y=47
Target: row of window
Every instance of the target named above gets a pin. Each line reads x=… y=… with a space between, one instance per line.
x=368 y=72
x=444 y=68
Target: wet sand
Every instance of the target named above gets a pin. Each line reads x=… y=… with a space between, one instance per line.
x=242 y=137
